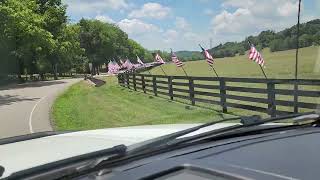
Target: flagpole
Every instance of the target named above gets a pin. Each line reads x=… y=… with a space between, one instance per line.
x=263 y=71
x=163 y=70
x=264 y=74
x=215 y=72
x=184 y=71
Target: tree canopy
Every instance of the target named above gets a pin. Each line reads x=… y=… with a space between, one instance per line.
x=36 y=37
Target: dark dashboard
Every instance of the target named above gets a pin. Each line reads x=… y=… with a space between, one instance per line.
x=292 y=154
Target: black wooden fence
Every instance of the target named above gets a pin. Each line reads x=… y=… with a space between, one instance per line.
x=228 y=91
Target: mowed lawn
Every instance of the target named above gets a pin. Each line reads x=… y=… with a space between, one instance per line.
x=85 y=107
x=278 y=65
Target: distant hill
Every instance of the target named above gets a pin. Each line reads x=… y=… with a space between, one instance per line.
x=276 y=41
x=189 y=55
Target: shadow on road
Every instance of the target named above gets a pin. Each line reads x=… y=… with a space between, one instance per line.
x=32 y=84
x=9 y=99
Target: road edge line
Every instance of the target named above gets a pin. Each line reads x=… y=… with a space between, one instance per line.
x=30 y=117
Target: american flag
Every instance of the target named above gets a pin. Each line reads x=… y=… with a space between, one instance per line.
x=208 y=57
x=176 y=60
x=254 y=55
x=113 y=67
x=139 y=60
x=159 y=59
x=128 y=64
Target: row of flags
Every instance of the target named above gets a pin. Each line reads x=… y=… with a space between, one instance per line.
x=114 y=68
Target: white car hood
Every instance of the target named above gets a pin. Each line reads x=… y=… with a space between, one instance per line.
x=23 y=155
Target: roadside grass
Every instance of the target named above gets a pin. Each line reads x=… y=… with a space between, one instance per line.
x=83 y=107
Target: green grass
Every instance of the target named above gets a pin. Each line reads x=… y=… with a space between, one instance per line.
x=278 y=65
x=84 y=107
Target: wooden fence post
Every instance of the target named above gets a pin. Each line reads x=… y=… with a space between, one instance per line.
x=154 y=84
x=127 y=79
x=295 y=97
x=143 y=84
x=170 y=87
x=134 y=82
x=119 y=79
x=271 y=99
x=191 y=91
x=223 y=98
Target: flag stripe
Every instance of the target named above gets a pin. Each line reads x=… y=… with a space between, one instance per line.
x=159 y=59
x=208 y=57
x=256 y=56
x=175 y=60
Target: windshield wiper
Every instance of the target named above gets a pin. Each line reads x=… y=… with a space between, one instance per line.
x=164 y=139
x=70 y=165
x=245 y=122
x=26 y=137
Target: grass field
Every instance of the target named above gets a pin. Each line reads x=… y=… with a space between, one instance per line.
x=85 y=107
x=278 y=65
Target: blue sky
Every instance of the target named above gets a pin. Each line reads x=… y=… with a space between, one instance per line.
x=183 y=24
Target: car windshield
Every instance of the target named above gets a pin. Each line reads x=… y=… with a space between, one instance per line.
x=79 y=76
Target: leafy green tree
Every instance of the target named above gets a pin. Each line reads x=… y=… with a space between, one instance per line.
x=135 y=49
x=54 y=14
x=23 y=28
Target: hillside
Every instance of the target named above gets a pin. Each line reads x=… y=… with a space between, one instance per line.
x=189 y=55
x=282 y=40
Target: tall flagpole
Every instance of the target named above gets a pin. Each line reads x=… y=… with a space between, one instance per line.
x=184 y=71
x=297 y=50
x=162 y=70
x=215 y=71
x=263 y=71
x=264 y=74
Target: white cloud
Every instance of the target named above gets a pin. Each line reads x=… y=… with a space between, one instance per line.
x=182 y=24
x=104 y=18
x=232 y=22
x=288 y=8
x=252 y=16
x=190 y=36
x=171 y=35
x=151 y=10
x=93 y=6
x=136 y=26
x=238 y=3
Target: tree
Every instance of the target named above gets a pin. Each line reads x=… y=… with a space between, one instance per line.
x=135 y=49
x=103 y=42
x=22 y=27
x=54 y=14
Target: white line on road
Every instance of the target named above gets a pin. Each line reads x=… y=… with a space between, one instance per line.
x=30 y=117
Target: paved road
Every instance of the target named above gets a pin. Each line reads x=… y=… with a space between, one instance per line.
x=25 y=108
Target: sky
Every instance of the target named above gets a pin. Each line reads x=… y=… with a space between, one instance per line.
x=183 y=24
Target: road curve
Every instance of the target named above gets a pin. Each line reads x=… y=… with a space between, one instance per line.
x=25 y=108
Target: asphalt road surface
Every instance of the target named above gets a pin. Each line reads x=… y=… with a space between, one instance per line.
x=26 y=108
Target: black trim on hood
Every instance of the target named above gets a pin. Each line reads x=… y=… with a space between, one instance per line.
x=30 y=136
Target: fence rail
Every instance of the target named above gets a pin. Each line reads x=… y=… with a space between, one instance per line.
x=226 y=94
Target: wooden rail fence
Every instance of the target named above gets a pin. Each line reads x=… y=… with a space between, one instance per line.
x=231 y=92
